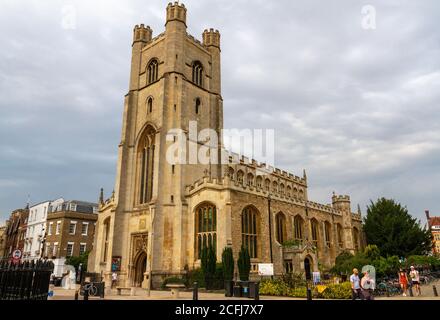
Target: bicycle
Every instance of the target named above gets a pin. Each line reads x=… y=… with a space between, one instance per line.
x=90 y=288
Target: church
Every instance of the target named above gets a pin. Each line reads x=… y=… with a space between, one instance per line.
x=162 y=213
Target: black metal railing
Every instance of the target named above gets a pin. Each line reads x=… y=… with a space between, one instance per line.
x=25 y=281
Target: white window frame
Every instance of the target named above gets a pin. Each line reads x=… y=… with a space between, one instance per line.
x=49 y=229
x=72 y=207
x=46 y=251
x=87 y=228
x=55 y=248
x=74 y=229
x=85 y=247
x=67 y=247
x=57 y=230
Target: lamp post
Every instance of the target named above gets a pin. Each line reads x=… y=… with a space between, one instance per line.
x=150 y=253
x=270 y=227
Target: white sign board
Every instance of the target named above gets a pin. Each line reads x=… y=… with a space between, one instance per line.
x=265 y=269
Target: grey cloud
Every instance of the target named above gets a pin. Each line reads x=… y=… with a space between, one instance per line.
x=358 y=109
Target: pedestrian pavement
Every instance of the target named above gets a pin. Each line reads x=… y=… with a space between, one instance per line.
x=142 y=294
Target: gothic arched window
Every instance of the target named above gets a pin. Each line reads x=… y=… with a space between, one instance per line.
x=267 y=185
x=231 y=173
x=249 y=233
x=298 y=224
x=146 y=164
x=356 y=239
x=197 y=105
x=106 y=239
x=274 y=187
x=152 y=71
x=327 y=233
x=250 y=179
x=315 y=232
x=281 y=227
x=150 y=105
x=259 y=181
x=197 y=73
x=240 y=175
x=206 y=228
x=339 y=231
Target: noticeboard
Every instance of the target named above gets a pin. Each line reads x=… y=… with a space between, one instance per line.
x=265 y=269
x=116 y=263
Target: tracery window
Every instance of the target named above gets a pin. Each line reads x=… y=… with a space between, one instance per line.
x=152 y=71
x=197 y=73
x=249 y=231
x=206 y=228
x=146 y=165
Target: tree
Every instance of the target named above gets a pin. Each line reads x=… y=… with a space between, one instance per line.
x=76 y=261
x=372 y=252
x=244 y=264
x=209 y=261
x=390 y=227
x=228 y=263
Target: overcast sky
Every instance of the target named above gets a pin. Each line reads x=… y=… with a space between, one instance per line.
x=357 y=108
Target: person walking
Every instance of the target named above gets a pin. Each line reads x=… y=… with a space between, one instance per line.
x=355 y=285
x=403 y=280
x=415 y=279
x=367 y=285
x=114 y=279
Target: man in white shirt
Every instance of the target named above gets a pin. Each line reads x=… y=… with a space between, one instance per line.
x=114 y=278
x=355 y=285
x=415 y=279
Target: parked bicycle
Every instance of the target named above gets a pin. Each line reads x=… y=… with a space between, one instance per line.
x=91 y=288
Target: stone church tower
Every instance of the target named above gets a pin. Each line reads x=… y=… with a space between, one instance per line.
x=163 y=212
x=174 y=79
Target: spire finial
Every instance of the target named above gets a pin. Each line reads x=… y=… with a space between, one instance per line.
x=101 y=196
x=304 y=174
x=359 y=209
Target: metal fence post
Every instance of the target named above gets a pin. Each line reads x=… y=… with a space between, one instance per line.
x=196 y=291
x=435 y=291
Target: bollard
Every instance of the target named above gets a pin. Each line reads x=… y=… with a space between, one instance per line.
x=411 y=294
x=435 y=291
x=86 y=295
x=196 y=291
x=308 y=291
x=76 y=295
x=257 y=291
x=102 y=289
x=309 y=294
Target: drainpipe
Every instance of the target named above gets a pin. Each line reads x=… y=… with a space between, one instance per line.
x=270 y=229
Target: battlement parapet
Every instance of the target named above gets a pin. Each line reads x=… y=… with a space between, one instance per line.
x=211 y=38
x=142 y=33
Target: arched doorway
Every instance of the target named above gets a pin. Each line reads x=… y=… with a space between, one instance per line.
x=307 y=268
x=140 y=268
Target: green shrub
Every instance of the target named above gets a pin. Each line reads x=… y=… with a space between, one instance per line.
x=228 y=263
x=195 y=275
x=294 y=280
x=337 y=291
x=209 y=261
x=276 y=287
x=299 y=292
x=244 y=264
x=172 y=280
